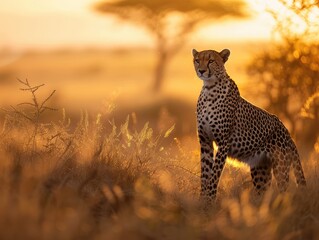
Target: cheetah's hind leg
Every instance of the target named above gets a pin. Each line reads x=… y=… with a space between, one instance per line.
x=261 y=176
x=281 y=167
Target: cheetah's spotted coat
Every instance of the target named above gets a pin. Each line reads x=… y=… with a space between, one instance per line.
x=240 y=130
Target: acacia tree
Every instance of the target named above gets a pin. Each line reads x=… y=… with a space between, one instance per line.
x=288 y=71
x=170 y=22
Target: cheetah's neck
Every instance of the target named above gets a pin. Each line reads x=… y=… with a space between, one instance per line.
x=222 y=81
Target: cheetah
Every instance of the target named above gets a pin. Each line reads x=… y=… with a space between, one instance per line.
x=240 y=130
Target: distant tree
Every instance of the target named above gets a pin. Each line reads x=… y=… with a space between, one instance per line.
x=170 y=21
x=288 y=72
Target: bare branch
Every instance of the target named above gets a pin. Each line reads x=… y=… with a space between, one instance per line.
x=24 y=83
x=26 y=103
x=21 y=113
x=47 y=108
x=52 y=93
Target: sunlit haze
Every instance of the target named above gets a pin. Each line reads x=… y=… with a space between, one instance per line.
x=44 y=24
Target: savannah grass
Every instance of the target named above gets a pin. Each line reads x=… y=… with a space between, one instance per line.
x=102 y=180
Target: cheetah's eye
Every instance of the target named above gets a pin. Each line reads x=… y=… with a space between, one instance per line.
x=197 y=60
x=210 y=61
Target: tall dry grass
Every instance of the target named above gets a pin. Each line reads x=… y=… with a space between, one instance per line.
x=101 y=180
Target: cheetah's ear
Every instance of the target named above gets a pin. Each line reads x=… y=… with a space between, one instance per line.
x=225 y=54
x=194 y=52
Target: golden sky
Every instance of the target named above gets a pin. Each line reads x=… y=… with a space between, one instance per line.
x=48 y=24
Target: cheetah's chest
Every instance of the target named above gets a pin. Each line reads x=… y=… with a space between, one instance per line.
x=211 y=115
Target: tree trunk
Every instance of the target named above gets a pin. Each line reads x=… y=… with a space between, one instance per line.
x=161 y=66
x=167 y=47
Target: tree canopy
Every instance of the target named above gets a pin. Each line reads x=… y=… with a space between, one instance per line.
x=170 y=33
x=215 y=8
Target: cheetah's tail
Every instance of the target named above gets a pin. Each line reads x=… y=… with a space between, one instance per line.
x=298 y=172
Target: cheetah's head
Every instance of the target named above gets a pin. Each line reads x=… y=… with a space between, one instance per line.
x=209 y=64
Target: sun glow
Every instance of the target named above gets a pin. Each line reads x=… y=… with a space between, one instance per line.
x=237 y=164
x=55 y=24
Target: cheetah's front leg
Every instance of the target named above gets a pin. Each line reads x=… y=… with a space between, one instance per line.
x=207 y=159
x=217 y=169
